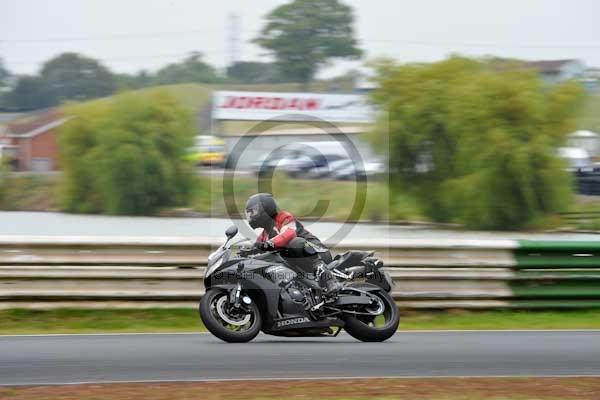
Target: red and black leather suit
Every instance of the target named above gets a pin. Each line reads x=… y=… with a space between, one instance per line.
x=280 y=229
x=284 y=232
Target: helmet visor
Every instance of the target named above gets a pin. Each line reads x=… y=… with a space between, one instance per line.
x=253 y=212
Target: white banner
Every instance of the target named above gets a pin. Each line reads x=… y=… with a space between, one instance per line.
x=260 y=106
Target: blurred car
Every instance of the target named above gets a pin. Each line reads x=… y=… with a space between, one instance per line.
x=208 y=150
x=284 y=160
x=305 y=159
x=356 y=171
x=327 y=170
x=302 y=167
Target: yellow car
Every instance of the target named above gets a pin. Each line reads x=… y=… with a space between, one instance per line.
x=208 y=150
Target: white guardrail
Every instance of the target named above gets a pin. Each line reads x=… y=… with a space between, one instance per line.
x=142 y=272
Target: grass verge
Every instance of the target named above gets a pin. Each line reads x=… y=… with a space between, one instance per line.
x=348 y=389
x=18 y=321
x=29 y=192
x=326 y=200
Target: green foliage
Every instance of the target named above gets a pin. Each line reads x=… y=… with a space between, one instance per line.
x=477 y=143
x=337 y=196
x=28 y=94
x=20 y=321
x=4 y=176
x=27 y=193
x=126 y=156
x=254 y=72
x=71 y=76
x=192 y=69
x=4 y=74
x=305 y=34
x=138 y=81
x=4 y=81
x=590 y=115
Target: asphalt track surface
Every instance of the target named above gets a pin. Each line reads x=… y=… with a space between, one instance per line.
x=57 y=359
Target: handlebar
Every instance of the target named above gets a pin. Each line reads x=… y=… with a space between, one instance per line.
x=248 y=251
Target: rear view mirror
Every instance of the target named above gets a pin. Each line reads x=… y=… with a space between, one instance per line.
x=231 y=231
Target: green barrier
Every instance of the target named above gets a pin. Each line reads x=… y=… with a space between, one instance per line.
x=564 y=254
x=575 y=289
x=554 y=304
x=557 y=274
x=563 y=274
x=566 y=260
x=557 y=245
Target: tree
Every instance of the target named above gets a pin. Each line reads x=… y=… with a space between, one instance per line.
x=29 y=93
x=477 y=143
x=192 y=69
x=127 y=156
x=138 y=81
x=255 y=72
x=71 y=76
x=68 y=76
x=4 y=76
x=305 y=34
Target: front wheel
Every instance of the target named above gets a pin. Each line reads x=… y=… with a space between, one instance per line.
x=226 y=322
x=379 y=326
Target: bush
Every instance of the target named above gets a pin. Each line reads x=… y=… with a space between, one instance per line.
x=4 y=176
x=476 y=140
x=126 y=156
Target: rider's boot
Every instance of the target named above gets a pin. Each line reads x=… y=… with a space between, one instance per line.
x=326 y=279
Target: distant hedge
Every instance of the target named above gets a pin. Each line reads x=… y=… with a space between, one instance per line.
x=126 y=155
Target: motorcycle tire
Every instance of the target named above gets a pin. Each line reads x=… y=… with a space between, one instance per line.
x=216 y=327
x=361 y=330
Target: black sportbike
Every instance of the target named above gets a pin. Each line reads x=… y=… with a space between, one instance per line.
x=252 y=291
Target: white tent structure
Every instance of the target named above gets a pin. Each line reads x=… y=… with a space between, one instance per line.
x=586 y=140
x=576 y=157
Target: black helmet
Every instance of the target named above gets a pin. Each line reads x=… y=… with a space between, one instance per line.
x=260 y=210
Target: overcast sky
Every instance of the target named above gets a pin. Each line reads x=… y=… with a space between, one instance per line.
x=128 y=35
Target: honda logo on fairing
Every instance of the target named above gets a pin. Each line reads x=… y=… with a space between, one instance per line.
x=292 y=321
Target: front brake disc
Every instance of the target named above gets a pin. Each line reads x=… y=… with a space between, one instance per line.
x=231 y=320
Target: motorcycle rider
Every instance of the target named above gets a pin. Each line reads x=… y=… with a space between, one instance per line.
x=281 y=230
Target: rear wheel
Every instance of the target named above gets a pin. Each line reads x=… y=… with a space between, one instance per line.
x=226 y=322
x=381 y=323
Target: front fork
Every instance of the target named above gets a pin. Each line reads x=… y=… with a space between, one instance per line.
x=235 y=294
x=236 y=300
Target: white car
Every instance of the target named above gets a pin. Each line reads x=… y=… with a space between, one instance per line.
x=324 y=171
x=359 y=172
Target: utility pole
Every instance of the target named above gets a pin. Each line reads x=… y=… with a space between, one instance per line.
x=233 y=39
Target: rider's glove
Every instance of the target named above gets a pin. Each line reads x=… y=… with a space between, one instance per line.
x=264 y=246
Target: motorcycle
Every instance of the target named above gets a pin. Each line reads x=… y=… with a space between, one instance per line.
x=254 y=291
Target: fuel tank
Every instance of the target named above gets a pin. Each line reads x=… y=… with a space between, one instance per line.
x=280 y=274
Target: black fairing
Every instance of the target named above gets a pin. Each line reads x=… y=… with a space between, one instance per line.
x=252 y=279
x=351 y=258
x=364 y=265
